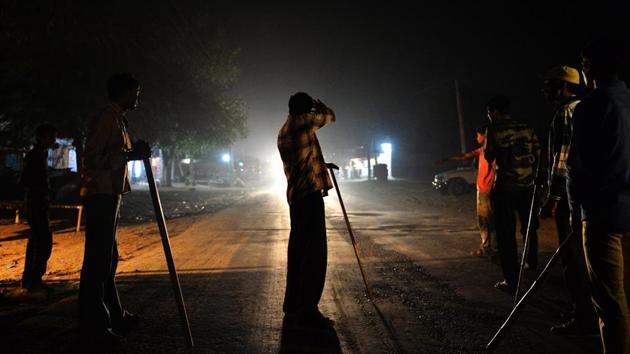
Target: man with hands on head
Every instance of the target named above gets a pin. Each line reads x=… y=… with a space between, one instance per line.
x=307 y=183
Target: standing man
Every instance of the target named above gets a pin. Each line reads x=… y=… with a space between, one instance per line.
x=485 y=179
x=562 y=84
x=599 y=181
x=515 y=148
x=307 y=183
x=34 y=178
x=104 y=180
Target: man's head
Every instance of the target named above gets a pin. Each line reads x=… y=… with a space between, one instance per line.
x=45 y=135
x=602 y=59
x=561 y=82
x=300 y=103
x=481 y=134
x=498 y=108
x=124 y=90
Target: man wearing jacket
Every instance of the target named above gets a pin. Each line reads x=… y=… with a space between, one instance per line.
x=104 y=180
x=599 y=181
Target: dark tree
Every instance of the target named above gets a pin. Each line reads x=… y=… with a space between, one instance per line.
x=60 y=53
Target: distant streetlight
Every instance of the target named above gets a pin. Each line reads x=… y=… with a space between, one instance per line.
x=226 y=157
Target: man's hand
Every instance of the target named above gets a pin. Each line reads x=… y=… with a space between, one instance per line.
x=318 y=105
x=141 y=150
x=549 y=210
x=332 y=166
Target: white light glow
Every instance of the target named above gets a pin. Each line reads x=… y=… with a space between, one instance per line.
x=226 y=158
x=137 y=169
x=386 y=157
x=186 y=161
x=277 y=171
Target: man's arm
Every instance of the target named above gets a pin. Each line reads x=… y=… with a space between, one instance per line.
x=321 y=115
x=464 y=156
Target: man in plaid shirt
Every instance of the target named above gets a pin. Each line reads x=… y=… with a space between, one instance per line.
x=561 y=85
x=308 y=182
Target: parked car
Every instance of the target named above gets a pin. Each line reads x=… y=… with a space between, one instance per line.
x=456 y=181
x=206 y=171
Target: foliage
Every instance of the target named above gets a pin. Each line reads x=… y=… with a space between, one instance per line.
x=60 y=53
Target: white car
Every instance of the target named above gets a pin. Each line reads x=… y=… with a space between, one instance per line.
x=457 y=181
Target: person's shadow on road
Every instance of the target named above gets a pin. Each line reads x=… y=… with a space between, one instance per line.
x=296 y=339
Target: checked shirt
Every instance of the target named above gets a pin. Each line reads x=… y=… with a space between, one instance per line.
x=559 y=146
x=301 y=154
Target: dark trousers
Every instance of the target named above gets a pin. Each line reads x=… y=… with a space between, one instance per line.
x=603 y=250
x=99 y=304
x=307 y=256
x=39 y=245
x=507 y=202
x=568 y=221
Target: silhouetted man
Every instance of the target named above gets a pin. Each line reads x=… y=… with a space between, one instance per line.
x=562 y=83
x=34 y=178
x=515 y=148
x=104 y=180
x=599 y=181
x=308 y=182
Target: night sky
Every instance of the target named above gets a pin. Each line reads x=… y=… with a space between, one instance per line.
x=388 y=68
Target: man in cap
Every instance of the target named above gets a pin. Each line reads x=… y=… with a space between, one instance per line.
x=562 y=85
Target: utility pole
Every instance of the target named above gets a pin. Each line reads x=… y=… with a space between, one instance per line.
x=368 y=155
x=460 y=118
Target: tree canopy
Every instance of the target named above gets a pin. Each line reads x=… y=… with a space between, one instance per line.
x=59 y=55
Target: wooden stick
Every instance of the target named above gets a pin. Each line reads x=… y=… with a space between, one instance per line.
x=530 y=292
x=354 y=242
x=159 y=215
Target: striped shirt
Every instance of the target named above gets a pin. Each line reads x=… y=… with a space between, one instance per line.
x=302 y=156
x=516 y=150
x=559 y=146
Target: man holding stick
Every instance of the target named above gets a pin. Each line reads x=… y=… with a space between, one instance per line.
x=562 y=83
x=308 y=182
x=104 y=180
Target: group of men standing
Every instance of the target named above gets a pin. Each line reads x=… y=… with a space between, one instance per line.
x=586 y=190
x=588 y=195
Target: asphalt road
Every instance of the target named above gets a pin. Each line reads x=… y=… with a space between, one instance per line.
x=430 y=295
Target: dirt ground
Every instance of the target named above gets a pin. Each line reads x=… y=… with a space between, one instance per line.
x=430 y=296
